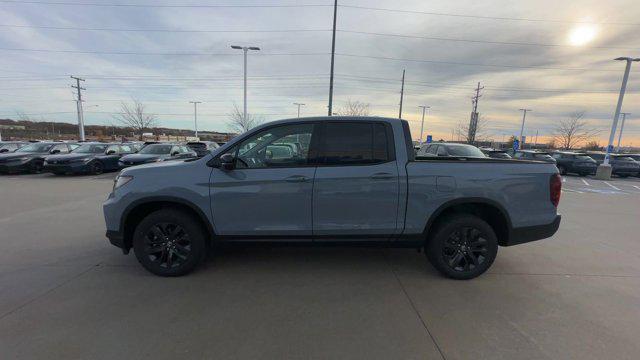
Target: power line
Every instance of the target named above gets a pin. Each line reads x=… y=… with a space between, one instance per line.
x=504 y=18
x=154 y=53
x=64 y=3
x=157 y=30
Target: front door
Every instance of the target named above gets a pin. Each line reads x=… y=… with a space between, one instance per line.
x=268 y=194
x=356 y=185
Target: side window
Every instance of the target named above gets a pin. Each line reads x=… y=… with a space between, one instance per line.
x=556 y=156
x=424 y=150
x=185 y=149
x=351 y=143
x=280 y=146
x=73 y=146
x=62 y=147
x=432 y=149
x=518 y=155
x=174 y=149
x=125 y=149
x=442 y=151
x=112 y=148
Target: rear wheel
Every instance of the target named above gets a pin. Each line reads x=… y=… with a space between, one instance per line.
x=462 y=247
x=169 y=243
x=36 y=166
x=97 y=168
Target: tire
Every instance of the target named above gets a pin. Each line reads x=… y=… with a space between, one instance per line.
x=459 y=258
x=97 y=168
x=562 y=170
x=36 y=167
x=169 y=243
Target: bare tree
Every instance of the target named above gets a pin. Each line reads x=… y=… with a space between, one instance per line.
x=238 y=124
x=573 y=131
x=462 y=130
x=134 y=116
x=354 y=108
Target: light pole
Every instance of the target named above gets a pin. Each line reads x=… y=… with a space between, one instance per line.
x=245 y=49
x=604 y=169
x=195 y=114
x=524 y=116
x=424 y=109
x=624 y=116
x=299 y=104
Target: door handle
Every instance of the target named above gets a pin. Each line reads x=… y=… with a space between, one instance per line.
x=296 y=179
x=381 y=176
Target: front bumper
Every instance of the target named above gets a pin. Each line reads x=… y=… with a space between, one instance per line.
x=117 y=239
x=532 y=233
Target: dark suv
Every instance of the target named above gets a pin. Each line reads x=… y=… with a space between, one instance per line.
x=157 y=152
x=202 y=148
x=533 y=155
x=11 y=146
x=621 y=164
x=30 y=158
x=577 y=163
x=92 y=158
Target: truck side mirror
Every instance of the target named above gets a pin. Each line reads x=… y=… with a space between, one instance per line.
x=227 y=162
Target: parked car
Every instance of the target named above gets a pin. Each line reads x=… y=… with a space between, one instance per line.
x=11 y=146
x=155 y=153
x=202 y=148
x=92 y=158
x=496 y=153
x=575 y=163
x=621 y=165
x=635 y=157
x=533 y=155
x=358 y=183
x=30 y=158
x=450 y=149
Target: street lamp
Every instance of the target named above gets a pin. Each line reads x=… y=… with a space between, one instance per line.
x=424 y=109
x=299 y=104
x=624 y=116
x=604 y=169
x=195 y=114
x=245 y=49
x=524 y=115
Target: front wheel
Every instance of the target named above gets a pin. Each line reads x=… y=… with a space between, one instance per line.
x=169 y=243
x=36 y=167
x=97 y=168
x=462 y=247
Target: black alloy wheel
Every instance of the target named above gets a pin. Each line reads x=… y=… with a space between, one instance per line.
x=97 y=168
x=36 y=166
x=462 y=246
x=169 y=242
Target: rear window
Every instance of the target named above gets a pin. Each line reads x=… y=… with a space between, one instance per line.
x=464 y=150
x=351 y=143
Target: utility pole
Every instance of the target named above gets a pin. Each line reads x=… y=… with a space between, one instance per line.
x=245 y=49
x=333 y=55
x=298 y=105
x=473 y=122
x=195 y=114
x=401 y=95
x=624 y=116
x=424 y=109
x=79 y=106
x=524 y=116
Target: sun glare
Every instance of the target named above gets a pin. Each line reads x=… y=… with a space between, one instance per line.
x=582 y=35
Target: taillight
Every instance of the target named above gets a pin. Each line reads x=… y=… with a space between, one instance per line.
x=555 y=189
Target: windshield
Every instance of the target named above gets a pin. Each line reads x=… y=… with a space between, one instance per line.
x=622 y=158
x=90 y=149
x=157 y=149
x=36 y=148
x=464 y=150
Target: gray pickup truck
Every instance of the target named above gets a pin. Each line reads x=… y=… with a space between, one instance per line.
x=332 y=181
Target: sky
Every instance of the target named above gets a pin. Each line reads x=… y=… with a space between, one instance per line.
x=553 y=57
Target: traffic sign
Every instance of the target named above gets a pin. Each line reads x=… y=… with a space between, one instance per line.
x=429 y=139
x=516 y=144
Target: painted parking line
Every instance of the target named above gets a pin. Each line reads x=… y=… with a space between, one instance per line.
x=573 y=191
x=585 y=182
x=564 y=179
x=636 y=186
x=613 y=187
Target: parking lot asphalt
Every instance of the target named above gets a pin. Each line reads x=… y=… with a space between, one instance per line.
x=65 y=293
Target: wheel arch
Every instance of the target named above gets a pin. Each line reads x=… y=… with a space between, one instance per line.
x=488 y=210
x=138 y=210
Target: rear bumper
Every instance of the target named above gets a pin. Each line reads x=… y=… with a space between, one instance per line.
x=532 y=233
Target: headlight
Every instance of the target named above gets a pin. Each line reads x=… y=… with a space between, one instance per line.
x=121 y=180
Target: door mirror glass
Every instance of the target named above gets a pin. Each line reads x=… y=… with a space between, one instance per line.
x=227 y=162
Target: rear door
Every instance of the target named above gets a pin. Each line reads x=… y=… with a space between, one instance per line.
x=268 y=194
x=356 y=186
